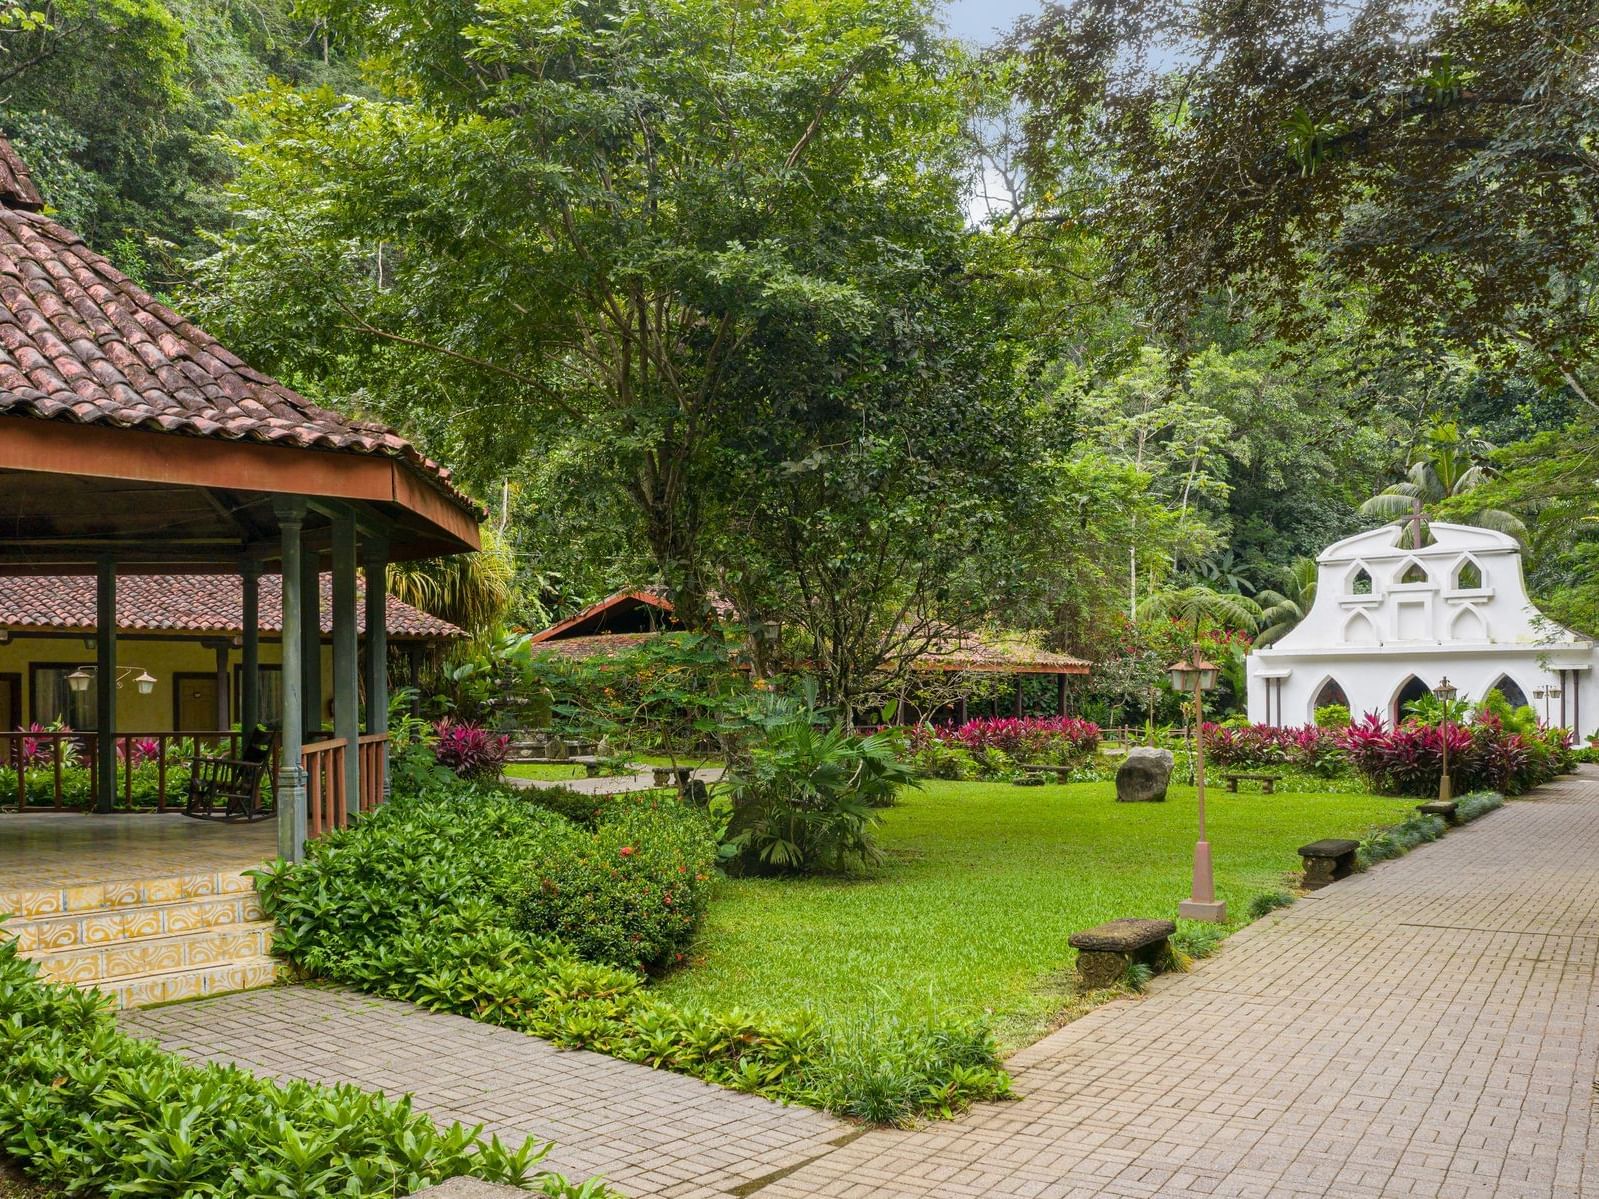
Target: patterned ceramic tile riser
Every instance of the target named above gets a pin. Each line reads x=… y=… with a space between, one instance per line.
x=169 y=986
x=73 y=929
x=99 y=897
x=89 y=964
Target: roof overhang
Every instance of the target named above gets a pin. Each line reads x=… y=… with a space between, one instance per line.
x=233 y=481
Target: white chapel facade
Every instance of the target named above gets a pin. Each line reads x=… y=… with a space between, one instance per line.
x=1389 y=621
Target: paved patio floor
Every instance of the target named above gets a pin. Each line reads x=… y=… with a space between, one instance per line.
x=1428 y=1029
x=59 y=849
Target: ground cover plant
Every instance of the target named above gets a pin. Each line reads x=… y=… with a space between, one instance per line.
x=482 y=903
x=89 y=1110
x=967 y=917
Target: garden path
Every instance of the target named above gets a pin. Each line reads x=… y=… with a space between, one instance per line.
x=620 y=784
x=1430 y=1028
x=648 y=1132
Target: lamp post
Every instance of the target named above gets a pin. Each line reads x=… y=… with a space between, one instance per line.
x=1199 y=676
x=1445 y=691
x=1546 y=694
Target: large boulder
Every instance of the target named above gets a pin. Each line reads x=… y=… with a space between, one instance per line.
x=1143 y=775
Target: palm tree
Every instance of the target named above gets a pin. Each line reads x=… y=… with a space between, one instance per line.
x=1202 y=607
x=1281 y=610
x=1444 y=466
x=469 y=590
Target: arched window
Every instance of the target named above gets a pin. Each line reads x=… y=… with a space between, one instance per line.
x=1511 y=690
x=1409 y=692
x=1414 y=573
x=1468 y=576
x=1331 y=693
x=1360 y=584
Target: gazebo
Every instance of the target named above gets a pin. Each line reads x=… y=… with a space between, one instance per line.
x=133 y=443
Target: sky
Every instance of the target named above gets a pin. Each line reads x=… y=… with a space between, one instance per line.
x=976 y=21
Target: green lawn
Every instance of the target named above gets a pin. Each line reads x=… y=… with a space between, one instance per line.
x=982 y=886
x=543 y=773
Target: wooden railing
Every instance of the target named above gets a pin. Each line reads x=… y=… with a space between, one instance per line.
x=324 y=786
x=374 y=750
x=66 y=766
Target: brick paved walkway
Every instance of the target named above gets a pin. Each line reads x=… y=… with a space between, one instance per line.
x=649 y=1132
x=1428 y=1029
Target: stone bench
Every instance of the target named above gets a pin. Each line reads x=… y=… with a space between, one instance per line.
x=1327 y=861
x=1440 y=807
x=1268 y=782
x=1105 y=951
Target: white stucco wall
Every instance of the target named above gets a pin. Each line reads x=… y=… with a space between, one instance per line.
x=1422 y=619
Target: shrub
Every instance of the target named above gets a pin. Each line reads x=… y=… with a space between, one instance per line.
x=92 y=1111
x=803 y=801
x=1331 y=716
x=1053 y=740
x=931 y=758
x=631 y=894
x=409 y=903
x=1312 y=749
x=1483 y=755
x=470 y=750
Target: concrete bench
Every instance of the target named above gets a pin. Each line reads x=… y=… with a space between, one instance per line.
x=1327 y=861
x=1105 y=951
x=1440 y=807
x=1268 y=782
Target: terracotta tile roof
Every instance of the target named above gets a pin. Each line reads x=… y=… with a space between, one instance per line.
x=199 y=604
x=81 y=342
x=16 y=185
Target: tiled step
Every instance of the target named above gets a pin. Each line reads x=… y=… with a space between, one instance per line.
x=73 y=929
x=89 y=964
x=169 y=986
x=125 y=893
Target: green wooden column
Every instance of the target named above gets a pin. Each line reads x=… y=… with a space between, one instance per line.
x=309 y=576
x=346 y=667
x=250 y=667
x=291 y=775
x=105 y=683
x=375 y=562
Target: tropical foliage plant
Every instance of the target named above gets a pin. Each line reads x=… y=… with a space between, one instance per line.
x=419 y=903
x=88 y=1109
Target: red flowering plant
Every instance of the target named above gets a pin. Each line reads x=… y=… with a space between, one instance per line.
x=1057 y=740
x=1483 y=755
x=470 y=750
x=1309 y=748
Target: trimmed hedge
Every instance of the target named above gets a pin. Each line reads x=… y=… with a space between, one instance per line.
x=429 y=900
x=89 y=1110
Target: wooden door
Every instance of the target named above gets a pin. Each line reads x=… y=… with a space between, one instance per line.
x=10 y=702
x=194 y=707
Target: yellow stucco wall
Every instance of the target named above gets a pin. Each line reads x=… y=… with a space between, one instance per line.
x=142 y=713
